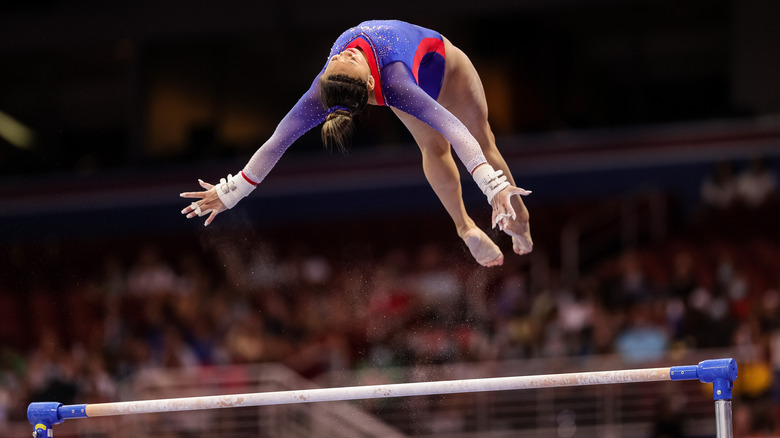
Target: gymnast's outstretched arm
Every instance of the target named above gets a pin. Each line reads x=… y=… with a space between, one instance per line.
x=402 y=93
x=306 y=114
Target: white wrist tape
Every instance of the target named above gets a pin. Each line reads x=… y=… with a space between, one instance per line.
x=233 y=188
x=490 y=181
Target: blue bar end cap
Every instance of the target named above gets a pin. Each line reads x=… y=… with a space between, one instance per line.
x=44 y=415
x=720 y=372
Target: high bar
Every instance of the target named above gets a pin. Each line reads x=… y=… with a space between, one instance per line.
x=720 y=372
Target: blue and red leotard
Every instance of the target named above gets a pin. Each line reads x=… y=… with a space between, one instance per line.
x=421 y=50
x=407 y=63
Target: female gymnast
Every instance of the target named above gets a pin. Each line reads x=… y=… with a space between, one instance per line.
x=435 y=90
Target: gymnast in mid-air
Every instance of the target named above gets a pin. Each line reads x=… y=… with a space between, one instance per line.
x=435 y=90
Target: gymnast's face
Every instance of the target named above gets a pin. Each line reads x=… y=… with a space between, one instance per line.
x=353 y=63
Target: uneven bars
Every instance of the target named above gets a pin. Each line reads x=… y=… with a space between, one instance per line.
x=720 y=372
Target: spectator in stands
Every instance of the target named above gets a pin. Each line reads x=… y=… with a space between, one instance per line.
x=719 y=190
x=757 y=184
x=643 y=339
x=150 y=275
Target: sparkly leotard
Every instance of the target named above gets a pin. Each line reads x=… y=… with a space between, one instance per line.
x=421 y=50
x=407 y=63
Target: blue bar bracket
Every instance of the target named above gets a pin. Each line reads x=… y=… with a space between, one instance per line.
x=44 y=415
x=720 y=372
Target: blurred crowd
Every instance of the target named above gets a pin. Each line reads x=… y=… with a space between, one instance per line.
x=76 y=321
x=728 y=186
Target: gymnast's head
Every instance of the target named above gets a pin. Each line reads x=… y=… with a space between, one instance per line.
x=344 y=88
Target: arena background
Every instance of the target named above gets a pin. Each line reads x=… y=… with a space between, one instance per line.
x=616 y=114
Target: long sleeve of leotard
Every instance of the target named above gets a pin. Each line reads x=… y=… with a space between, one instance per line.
x=402 y=92
x=307 y=113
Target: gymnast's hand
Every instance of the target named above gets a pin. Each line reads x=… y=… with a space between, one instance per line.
x=209 y=203
x=513 y=220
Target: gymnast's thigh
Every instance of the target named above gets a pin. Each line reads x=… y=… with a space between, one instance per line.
x=428 y=139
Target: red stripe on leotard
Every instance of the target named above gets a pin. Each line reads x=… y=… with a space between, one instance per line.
x=426 y=46
x=247 y=179
x=363 y=45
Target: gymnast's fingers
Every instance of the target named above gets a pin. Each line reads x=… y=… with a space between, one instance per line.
x=211 y=217
x=199 y=195
x=520 y=191
x=192 y=210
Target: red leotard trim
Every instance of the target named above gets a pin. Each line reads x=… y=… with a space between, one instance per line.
x=363 y=45
x=247 y=179
x=426 y=46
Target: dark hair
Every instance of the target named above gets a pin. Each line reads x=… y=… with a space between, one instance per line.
x=342 y=91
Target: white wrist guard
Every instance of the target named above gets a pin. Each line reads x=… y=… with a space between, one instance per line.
x=490 y=181
x=233 y=188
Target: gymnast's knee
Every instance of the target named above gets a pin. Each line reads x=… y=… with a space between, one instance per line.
x=435 y=148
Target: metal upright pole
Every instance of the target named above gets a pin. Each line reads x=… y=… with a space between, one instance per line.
x=724 y=428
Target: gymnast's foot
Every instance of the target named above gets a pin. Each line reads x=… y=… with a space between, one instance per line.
x=520 y=228
x=482 y=248
x=522 y=244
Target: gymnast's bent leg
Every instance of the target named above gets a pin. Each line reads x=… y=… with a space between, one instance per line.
x=442 y=174
x=463 y=95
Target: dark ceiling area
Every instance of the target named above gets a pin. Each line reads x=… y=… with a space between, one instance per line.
x=98 y=85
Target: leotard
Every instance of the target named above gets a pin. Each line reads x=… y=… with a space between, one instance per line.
x=407 y=63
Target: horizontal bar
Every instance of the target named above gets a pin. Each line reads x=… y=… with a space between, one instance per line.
x=375 y=391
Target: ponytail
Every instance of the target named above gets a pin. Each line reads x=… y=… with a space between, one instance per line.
x=337 y=129
x=344 y=97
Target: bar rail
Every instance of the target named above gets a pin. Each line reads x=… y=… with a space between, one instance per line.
x=720 y=372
